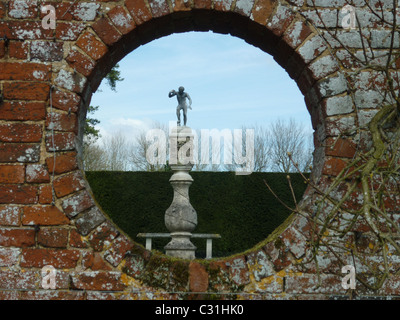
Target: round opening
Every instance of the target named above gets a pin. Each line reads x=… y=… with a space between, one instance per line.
x=234 y=86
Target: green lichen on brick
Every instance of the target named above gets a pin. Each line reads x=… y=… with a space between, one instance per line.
x=166 y=273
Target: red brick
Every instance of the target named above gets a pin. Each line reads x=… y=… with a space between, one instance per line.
x=19 y=152
x=10 y=280
x=20 y=132
x=106 y=31
x=92 y=46
x=18 y=50
x=62 y=141
x=37 y=173
x=12 y=174
x=10 y=215
x=67 y=101
x=81 y=63
x=24 y=30
x=20 y=110
x=333 y=166
x=198 y=277
x=78 y=203
x=182 y=5
x=68 y=184
x=63 y=163
x=58 y=258
x=3 y=9
x=24 y=71
x=106 y=232
x=139 y=10
x=52 y=294
x=98 y=280
x=262 y=10
x=43 y=215
x=18 y=194
x=118 y=249
x=62 y=121
x=121 y=19
x=340 y=148
x=46 y=51
x=94 y=261
x=159 y=8
x=69 y=31
x=26 y=91
x=22 y=9
x=17 y=237
x=75 y=240
x=45 y=194
x=53 y=237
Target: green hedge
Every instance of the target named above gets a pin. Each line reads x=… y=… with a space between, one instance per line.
x=240 y=208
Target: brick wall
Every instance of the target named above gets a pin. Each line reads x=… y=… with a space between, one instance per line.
x=48 y=215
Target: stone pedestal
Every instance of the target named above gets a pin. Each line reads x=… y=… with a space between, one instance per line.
x=180 y=217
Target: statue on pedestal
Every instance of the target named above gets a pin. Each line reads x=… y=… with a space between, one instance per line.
x=181 y=96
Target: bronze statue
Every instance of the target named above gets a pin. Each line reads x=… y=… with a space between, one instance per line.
x=181 y=95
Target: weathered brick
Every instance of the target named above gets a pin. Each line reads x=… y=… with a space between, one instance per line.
x=60 y=141
x=64 y=100
x=45 y=194
x=19 y=152
x=18 y=50
x=9 y=256
x=37 y=173
x=18 y=194
x=62 y=122
x=23 y=9
x=12 y=174
x=98 y=280
x=238 y=270
x=121 y=19
x=62 y=163
x=118 y=249
x=71 y=81
x=76 y=240
x=78 y=203
x=46 y=51
x=89 y=221
x=58 y=258
x=80 y=62
x=198 y=277
x=20 y=132
x=12 y=237
x=338 y=105
x=24 y=71
x=26 y=91
x=92 y=46
x=333 y=166
x=104 y=233
x=139 y=10
x=94 y=261
x=340 y=148
x=11 y=280
x=53 y=237
x=20 y=110
x=43 y=215
x=69 y=31
x=68 y=184
x=10 y=215
x=106 y=31
x=259 y=265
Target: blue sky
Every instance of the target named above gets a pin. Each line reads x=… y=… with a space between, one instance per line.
x=230 y=82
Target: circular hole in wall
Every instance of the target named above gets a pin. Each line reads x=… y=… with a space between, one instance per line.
x=233 y=85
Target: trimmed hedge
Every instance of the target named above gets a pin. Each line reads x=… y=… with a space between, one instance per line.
x=240 y=208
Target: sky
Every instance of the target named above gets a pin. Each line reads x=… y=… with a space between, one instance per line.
x=232 y=84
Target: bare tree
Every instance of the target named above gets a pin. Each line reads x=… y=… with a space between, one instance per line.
x=116 y=149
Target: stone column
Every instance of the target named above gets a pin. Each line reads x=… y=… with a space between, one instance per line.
x=180 y=217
